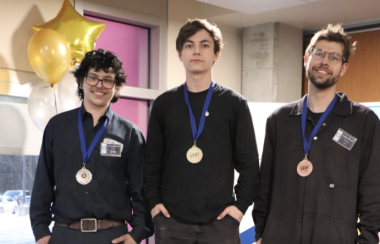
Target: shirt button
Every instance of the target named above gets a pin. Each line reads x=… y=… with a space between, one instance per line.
x=315 y=138
x=86 y=193
x=324 y=124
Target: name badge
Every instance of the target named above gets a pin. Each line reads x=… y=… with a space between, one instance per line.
x=344 y=139
x=110 y=149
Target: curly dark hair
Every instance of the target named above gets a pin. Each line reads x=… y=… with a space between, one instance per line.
x=105 y=60
x=192 y=26
x=333 y=33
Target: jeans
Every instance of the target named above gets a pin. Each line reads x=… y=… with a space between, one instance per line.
x=170 y=231
x=63 y=235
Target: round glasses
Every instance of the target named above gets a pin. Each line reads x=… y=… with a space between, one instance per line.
x=93 y=81
x=333 y=56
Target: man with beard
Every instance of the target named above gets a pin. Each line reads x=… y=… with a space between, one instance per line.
x=320 y=165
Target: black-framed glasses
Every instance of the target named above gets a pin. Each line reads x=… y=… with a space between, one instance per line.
x=334 y=57
x=106 y=83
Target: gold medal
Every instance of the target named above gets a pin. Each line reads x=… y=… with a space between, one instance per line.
x=194 y=154
x=305 y=167
x=84 y=176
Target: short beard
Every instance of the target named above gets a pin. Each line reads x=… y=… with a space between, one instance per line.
x=324 y=85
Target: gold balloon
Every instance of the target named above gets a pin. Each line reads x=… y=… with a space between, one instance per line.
x=80 y=33
x=49 y=55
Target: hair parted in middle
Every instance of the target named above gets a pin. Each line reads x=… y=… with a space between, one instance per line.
x=192 y=26
x=101 y=60
x=333 y=33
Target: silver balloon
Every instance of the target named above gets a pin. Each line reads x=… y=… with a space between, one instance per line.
x=67 y=91
x=42 y=104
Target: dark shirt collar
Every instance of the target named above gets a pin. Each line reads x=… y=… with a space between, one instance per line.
x=107 y=114
x=342 y=108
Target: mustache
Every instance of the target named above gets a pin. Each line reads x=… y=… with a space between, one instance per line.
x=324 y=68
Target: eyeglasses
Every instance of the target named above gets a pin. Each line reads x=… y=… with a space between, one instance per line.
x=106 y=83
x=333 y=56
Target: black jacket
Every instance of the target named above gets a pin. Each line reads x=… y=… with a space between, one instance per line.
x=322 y=208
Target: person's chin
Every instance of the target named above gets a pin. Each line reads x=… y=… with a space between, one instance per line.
x=323 y=85
x=99 y=102
x=198 y=71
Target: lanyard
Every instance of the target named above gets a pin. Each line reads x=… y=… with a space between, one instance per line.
x=306 y=144
x=197 y=133
x=87 y=153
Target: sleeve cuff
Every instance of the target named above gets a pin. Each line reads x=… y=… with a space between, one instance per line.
x=152 y=202
x=138 y=234
x=41 y=231
x=242 y=205
x=258 y=235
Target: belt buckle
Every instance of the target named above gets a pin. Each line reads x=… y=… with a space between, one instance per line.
x=89 y=225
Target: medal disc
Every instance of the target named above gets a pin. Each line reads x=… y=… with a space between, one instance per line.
x=194 y=155
x=84 y=176
x=304 y=168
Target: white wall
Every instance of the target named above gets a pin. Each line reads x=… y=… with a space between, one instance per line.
x=18 y=134
x=16 y=19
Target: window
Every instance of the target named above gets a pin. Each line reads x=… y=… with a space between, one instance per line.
x=16 y=171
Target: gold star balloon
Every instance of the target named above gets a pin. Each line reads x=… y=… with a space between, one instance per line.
x=79 y=32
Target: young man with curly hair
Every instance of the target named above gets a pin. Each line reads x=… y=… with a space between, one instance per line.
x=90 y=170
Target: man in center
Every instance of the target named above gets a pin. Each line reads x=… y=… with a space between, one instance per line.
x=198 y=134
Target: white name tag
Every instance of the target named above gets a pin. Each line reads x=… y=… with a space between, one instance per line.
x=344 y=139
x=111 y=148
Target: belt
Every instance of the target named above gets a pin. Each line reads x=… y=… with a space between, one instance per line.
x=92 y=225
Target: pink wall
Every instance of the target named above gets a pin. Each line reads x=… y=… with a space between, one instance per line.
x=130 y=44
x=133 y=110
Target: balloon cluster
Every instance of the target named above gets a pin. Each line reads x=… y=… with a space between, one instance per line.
x=53 y=51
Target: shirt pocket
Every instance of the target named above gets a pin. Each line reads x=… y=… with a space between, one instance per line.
x=341 y=167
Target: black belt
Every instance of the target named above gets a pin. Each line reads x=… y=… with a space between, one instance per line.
x=92 y=225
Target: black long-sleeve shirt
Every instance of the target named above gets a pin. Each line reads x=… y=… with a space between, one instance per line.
x=116 y=180
x=344 y=184
x=198 y=193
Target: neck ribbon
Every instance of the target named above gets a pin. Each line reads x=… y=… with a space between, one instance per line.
x=197 y=132
x=86 y=154
x=306 y=143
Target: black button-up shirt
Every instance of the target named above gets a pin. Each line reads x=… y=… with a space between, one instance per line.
x=116 y=186
x=344 y=184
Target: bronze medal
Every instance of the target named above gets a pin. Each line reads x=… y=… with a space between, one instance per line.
x=304 y=168
x=84 y=176
x=194 y=154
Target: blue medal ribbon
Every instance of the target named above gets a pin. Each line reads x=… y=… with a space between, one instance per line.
x=86 y=154
x=197 y=132
x=306 y=143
